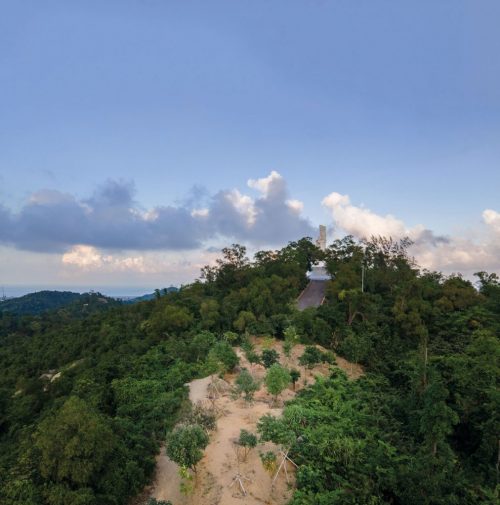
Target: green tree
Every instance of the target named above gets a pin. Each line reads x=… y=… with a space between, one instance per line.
x=312 y=356
x=201 y=344
x=222 y=357
x=291 y=339
x=246 y=385
x=355 y=346
x=277 y=379
x=74 y=444
x=248 y=441
x=244 y=321
x=294 y=376
x=209 y=313
x=231 y=337
x=185 y=445
x=269 y=357
x=436 y=417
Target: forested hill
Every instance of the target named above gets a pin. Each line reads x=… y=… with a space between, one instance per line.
x=36 y=303
x=86 y=399
x=43 y=301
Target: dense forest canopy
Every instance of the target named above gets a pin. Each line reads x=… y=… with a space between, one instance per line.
x=87 y=398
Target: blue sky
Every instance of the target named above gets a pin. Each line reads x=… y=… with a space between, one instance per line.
x=396 y=104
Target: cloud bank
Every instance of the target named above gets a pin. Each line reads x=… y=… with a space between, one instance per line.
x=434 y=252
x=111 y=219
x=110 y=232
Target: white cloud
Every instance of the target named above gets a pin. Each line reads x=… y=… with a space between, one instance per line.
x=86 y=257
x=296 y=205
x=449 y=254
x=200 y=212
x=243 y=204
x=361 y=222
x=492 y=218
x=185 y=266
x=265 y=184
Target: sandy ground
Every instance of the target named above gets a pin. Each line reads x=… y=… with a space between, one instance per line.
x=218 y=468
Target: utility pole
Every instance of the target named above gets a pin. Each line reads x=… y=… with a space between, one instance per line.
x=363 y=278
x=363 y=271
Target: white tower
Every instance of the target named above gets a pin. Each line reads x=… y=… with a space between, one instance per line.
x=321 y=241
x=318 y=271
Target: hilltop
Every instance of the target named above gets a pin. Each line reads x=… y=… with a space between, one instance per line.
x=403 y=408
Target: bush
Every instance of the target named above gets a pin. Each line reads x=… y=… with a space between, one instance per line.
x=277 y=379
x=268 y=461
x=294 y=376
x=203 y=417
x=246 y=385
x=269 y=357
x=185 y=445
x=248 y=441
x=222 y=357
x=312 y=356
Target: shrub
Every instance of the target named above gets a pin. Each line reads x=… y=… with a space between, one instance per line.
x=222 y=357
x=277 y=379
x=185 y=445
x=312 y=356
x=269 y=357
x=248 y=441
x=246 y=385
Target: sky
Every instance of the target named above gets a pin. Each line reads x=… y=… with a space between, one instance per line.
x=138 y=137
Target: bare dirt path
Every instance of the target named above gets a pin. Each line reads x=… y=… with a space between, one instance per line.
x=219 y=466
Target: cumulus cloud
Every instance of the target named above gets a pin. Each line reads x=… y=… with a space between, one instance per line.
x=362 y=222
x=52 y=221
x=89 y=258
x=435 y=252
x=492 y=218
x=267 y=219
x=179 y=266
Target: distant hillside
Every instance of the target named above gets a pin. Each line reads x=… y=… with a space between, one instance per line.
x=43 y=301
x=36 y=303
x=149 y=296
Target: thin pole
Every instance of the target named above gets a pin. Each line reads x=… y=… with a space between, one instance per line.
x=363 y=278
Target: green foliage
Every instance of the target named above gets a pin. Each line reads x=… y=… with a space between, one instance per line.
x=246 y=385
x=73 y=444
x=245 y=321
x=248 y=441
x=294 y=376
x=254 y=358
x=355 y=347
x=223 y=357
x=312 y=356
x=269 y=357
x=268 y=461
x=185 y=445
x=287 y=348
x=277 y=379
x=201 y=344
x=420 y=427
x=200 y=416
x=42 y=301
x=231 y=337
x=209 y=314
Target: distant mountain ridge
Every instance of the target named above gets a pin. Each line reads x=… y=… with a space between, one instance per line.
x=150 y=296
x=39 y=302
x=42 y=301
